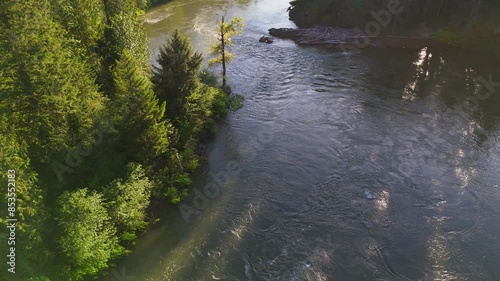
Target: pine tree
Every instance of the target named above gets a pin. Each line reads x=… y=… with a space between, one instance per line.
x=123 y=31
x=138 y=115
x=84 y=20
x=176 y=77
x=225 y=31
x=48 y=85
x=85 y=23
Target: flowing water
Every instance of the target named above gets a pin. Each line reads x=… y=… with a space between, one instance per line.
x=372 y=166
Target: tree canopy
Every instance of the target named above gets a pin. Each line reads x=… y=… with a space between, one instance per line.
x=91 y=133
x=176 y=76
x=86 y=239
x=441 y=13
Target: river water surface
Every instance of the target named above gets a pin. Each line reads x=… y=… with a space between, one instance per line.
x=373 y=166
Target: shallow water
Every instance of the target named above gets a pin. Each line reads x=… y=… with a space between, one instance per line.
x=344 y=166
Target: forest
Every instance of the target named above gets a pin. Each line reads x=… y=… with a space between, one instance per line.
x=472 y=24
x=92 y=138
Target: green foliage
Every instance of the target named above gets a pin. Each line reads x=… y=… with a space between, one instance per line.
x=29 y=197
x=85 y=20
x=38 y=278
x=208 y=78
x=198 y=108
x=127 y=33
x=70 y=68
x=53 y=100
x=190 y=106
x=225 y=30
x=468 y=24
x=176 y=77
x=108 y=164
x=174 y=195
x=86 y=238
x=450 y=38
x=142 y=4
x=30 y=211
x=128 y=236
x=127 y=200
x=114 y=7
x=123 y=31
x=460 y=14
x=174 y=174
x=137 y=113
x=219 y=104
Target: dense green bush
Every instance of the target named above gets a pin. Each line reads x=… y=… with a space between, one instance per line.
x=207 y=77
x=86 y=238
x=127 y=199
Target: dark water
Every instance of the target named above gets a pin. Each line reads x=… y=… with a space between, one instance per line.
x=378 y=166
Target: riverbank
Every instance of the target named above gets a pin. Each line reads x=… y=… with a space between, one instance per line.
x=352 y=174
x=467 y=25
x=351 y=40
x=346 y=39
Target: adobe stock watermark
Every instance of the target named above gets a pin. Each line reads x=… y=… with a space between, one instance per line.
x=75 y=157
x=11 y=219
x=211 y=190
x=373 y=28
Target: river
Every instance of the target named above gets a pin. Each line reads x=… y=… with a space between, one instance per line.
x=374 y=166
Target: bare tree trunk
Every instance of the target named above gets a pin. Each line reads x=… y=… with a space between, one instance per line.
x=223 y=43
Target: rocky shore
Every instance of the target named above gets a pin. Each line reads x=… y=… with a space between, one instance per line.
x=314 y=34
x=345 y=39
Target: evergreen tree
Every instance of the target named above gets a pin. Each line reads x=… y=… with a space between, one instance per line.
x=190 y=106
x=52 y=99
x=24 y=201
x=138 y=116
x=176 y=77
x=56 y=55
x=224 y=33
x=127 y=33
x=85 y=20
x=114 y=7
x=123 y=31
